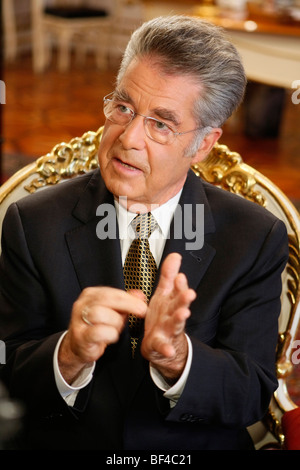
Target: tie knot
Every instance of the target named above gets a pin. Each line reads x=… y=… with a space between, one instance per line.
x=143 y=225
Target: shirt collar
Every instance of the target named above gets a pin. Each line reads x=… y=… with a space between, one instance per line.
x=163 y=215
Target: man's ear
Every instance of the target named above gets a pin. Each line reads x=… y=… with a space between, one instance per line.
x=207 y=144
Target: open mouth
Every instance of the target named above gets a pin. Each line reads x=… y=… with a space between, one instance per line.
x=126 y=165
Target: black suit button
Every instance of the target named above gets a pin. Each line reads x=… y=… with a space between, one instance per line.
x=190 y=418
x=54 y=416
x=186 y=417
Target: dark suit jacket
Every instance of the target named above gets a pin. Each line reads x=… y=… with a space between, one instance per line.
x=51 y=252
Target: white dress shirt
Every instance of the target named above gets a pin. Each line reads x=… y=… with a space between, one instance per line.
x=163 y=215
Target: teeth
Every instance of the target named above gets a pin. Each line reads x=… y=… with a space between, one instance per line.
x=128 y=166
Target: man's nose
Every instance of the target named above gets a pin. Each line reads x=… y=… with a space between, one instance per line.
x=134 y=135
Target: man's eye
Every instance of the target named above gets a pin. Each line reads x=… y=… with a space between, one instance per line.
x=160 y=126
x=123 y=109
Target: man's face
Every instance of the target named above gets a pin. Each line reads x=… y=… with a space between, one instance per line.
x=134 y=166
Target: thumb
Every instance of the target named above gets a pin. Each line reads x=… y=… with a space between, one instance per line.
x=138 y=294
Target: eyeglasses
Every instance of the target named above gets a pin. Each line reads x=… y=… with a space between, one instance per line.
x=118 y=113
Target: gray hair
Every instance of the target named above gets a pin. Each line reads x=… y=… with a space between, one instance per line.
x=196 y=48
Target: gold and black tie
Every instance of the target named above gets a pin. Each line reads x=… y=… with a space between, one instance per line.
x=140 y=268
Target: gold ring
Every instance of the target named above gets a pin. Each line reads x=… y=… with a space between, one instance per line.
x=84 y=316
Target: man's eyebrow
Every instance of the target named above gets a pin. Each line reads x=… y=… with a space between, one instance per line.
x=122 y=95
x=167 y=115
x=161 y=113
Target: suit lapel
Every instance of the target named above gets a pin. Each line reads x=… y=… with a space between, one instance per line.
x=195 y=258
x=91 y=263
x=96 y=261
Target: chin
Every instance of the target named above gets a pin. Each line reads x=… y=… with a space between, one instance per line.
x=121 y=190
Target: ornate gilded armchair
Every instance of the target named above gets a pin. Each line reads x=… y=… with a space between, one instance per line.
x=227 y=170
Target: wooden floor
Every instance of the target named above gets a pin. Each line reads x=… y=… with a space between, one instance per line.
x=44 y=109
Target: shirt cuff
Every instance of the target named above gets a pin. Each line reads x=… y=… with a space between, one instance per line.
x=173 y=392
x=81 y=381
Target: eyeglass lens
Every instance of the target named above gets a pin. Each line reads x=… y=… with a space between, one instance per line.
x=122 y=115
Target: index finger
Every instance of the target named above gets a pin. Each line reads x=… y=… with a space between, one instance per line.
x=116 y=299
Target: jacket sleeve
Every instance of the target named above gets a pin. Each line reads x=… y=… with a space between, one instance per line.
x=233 y=376
x=25 y=328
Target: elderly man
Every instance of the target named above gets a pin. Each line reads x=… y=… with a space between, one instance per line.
x=142 y=339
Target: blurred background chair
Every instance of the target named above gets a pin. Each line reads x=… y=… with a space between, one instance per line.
x=227 y=170
x=68 y=24
x=102 y=27
x=9 y=30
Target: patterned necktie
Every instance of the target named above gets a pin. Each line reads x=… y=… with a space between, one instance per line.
x=140 y=268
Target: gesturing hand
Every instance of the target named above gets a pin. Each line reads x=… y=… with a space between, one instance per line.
x=164 y=343
x=108 y=309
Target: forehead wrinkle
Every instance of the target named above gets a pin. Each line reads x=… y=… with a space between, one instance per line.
x=123 y=96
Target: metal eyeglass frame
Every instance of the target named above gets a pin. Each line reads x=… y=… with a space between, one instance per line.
x=133 y=114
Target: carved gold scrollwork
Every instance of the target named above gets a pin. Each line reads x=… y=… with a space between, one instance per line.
x=274 y=425
x=67 y=160
x=225 y=169
x=293 y=269
x=242 y=183
x=284 y=364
